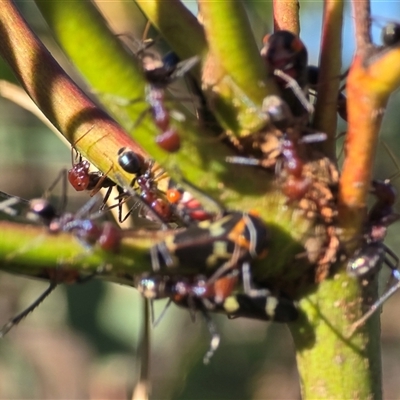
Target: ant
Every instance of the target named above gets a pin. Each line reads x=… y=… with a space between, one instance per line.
x=286 y=56
x=190 y=292
x=146 y=181
x=373 y=252
x=159 y=75
x=158 y=79
x=391 y=34
x=82 y=179
x=197 y=294
x=291 y=150
x=174 y=205
x=81 y=224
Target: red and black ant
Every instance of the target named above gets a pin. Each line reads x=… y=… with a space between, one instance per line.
x=173 y=205
x=146 y=182
x=373 y=252
x=197 y=294
x=81 y=179
x=159 y=78
x=159 y=75
x=292 y=151
x=81 y=224
x=286 y=57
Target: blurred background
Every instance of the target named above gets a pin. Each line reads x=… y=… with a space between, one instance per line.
x=83 y=341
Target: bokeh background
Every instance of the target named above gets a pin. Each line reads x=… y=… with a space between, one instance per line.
x=83 y=341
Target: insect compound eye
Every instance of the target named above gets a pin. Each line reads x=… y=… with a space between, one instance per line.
x=130 y=161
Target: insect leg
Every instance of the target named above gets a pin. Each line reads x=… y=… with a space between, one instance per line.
x=15 y=320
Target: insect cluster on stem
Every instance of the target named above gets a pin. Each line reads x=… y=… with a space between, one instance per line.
x=205 y=259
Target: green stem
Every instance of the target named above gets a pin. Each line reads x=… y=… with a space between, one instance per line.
x=234 y=75
x=178 y=26
x=32 y=250
x=331 y=364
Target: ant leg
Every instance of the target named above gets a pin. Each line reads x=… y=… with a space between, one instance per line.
x=247 y=283
x=215 y=338
x=162 y=314
x=243 y=160
x=374 y=307
x=389 y=293
x=99 y=184
x=105 y=198
x=15 y=320
x=129 y=190
x=121 y=201
x=86 y=208
x=63 y=177
x=296 y=90
x=392 y=262
x=155 y=262
x=140 y=117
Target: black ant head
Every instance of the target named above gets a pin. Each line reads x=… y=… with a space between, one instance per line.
x=391 y=34
x=130 y=161
x=41 y=210
x=285 y=51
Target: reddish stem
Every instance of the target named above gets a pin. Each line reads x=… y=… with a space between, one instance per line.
x=63 y=103
x=286 y=16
